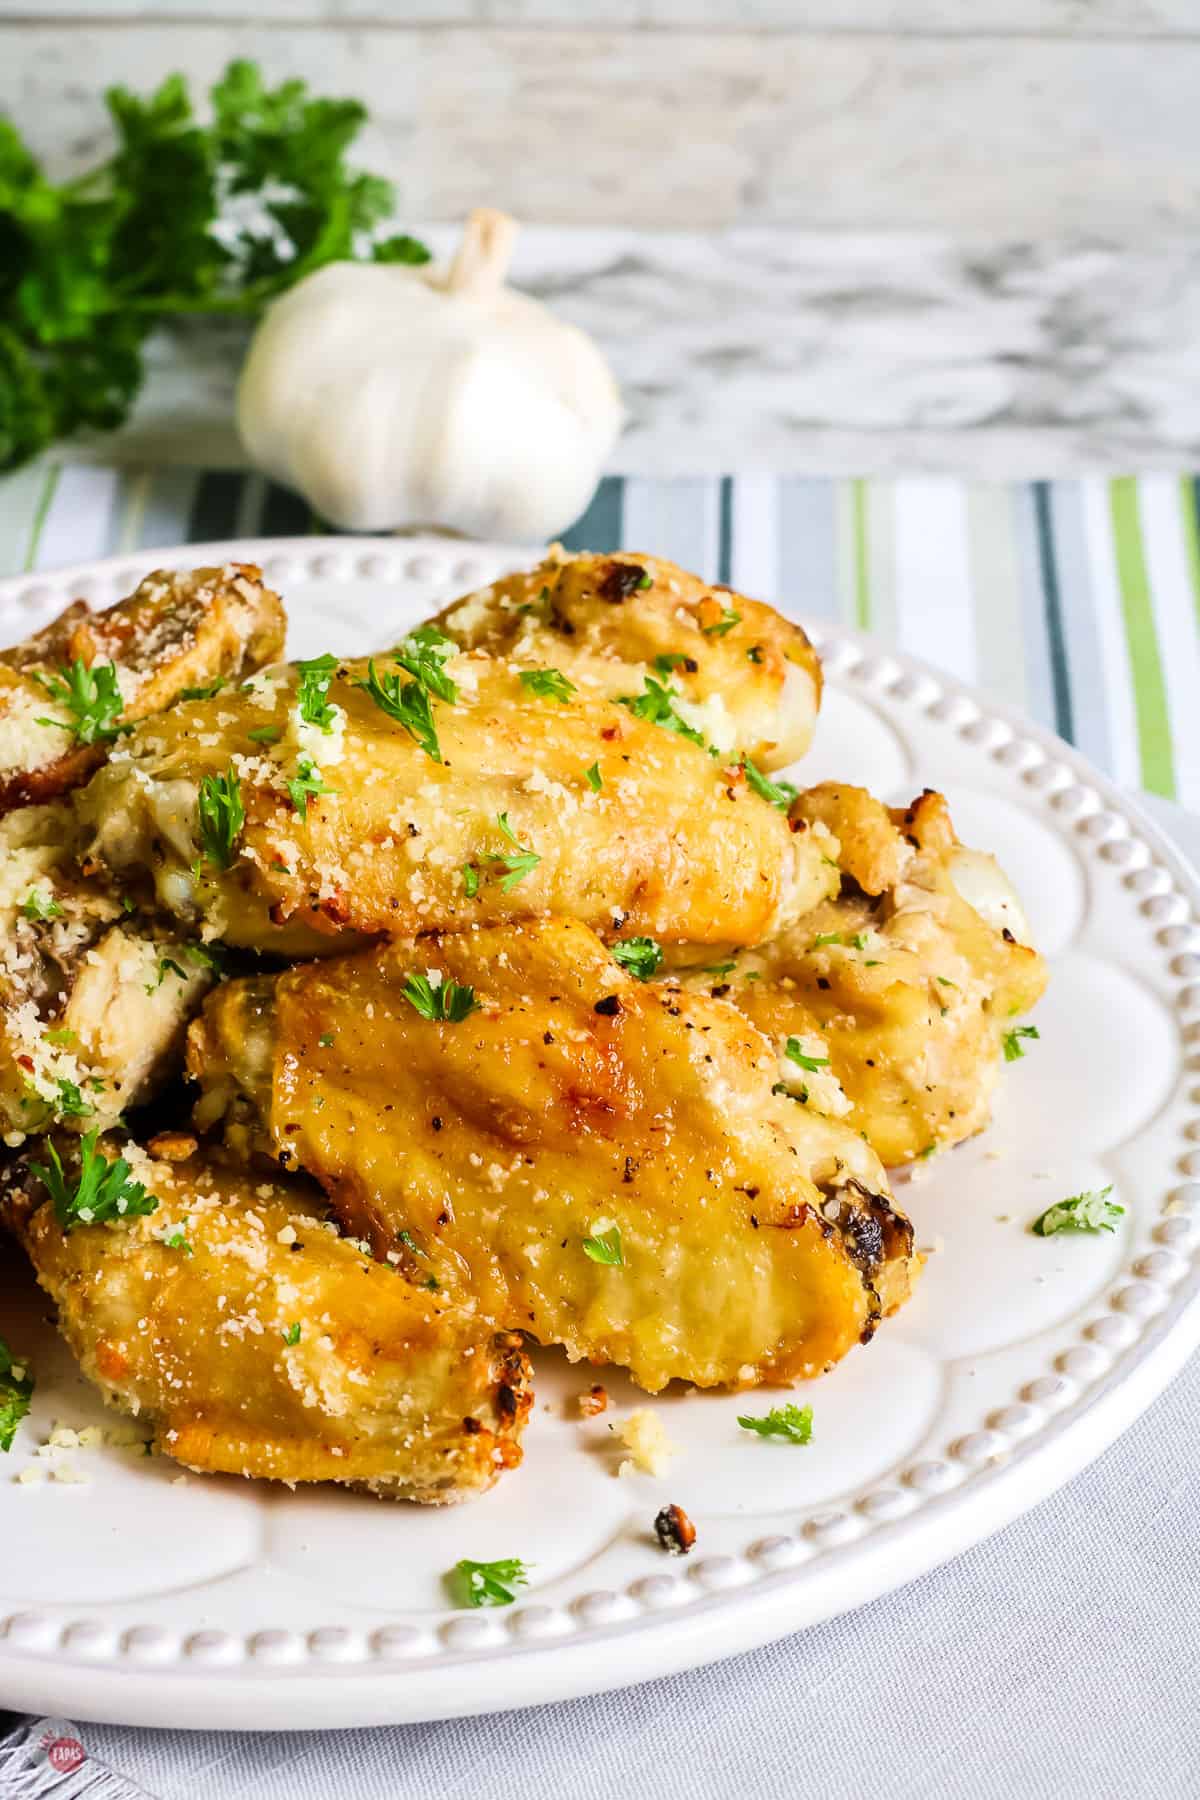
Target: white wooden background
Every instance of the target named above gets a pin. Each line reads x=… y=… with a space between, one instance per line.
x=988 y=117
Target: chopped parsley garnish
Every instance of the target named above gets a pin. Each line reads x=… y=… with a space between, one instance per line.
x=779 y=793
x=305 y=783
x=849 y=941
x=410 y=1243
x=103 y=1191
x=71 y=1103
x=519 y=862
x=63 y=1035
x=166 y=966
x=470 y=877
x=175 y=1240
x=795 y=1054
x=669 y=660
x=755 y=653
x=423 y=654
x=605 y=1248
x=726 y=622
x=407 y=703
x=439 y=999
x=488 y=1583
x=724 y=968
x=594 y=778
x=93 y=699
x=221 y=816
x=791 y=1423
x=656 y=702
x=1080 y=1212
x=16 y=1391
x=266 y=734
x=292 y=1334
x=325 y=1041
x=547 y=684
x=1013 y=1051
x=312 y=691
x=37 y=906
x=638 y=956
x=945 y=981
x=204 y=693
x=209 y=956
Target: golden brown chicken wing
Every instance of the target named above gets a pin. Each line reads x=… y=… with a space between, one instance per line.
x=598 y=1161
x=66 y=694
x=256 y=1341
x=746 y=677
x=93 y=997
x=892 y=1006
x=327 y=798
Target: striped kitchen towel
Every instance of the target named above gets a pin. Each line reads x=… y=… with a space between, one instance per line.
x=1077 y=602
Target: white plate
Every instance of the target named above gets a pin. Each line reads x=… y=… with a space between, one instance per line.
x=210 y=1602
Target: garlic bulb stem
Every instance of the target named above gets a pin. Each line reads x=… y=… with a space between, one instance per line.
x=481 y=262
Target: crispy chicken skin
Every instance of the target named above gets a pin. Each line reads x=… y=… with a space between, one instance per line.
x=386 y=1386
x=900 y=990
x=758 y=1242
x=175 y=631
x=93 y=999
x=746 y=676
x=662 y=838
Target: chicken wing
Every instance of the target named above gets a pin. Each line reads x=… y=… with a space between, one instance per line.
x=257 y=1341
x=748 y=679
x=67 y=693
x=600 y=1162
x=93 y=997
x=328 y=798
x=892 y=1006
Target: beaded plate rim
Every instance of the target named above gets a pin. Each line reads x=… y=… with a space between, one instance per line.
x=1092 y=1388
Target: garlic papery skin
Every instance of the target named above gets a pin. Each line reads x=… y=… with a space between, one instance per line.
x=394 y=397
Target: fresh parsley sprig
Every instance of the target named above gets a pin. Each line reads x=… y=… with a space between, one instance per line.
x=778 y=793
x=16 y=1391
x=221 y=816
x=791 y=1423
x=305 y=783
x=102 y=1192
x=439 y=999
x=423 y=655
x=639 y=956
x=487 y=1583
x=91 y=696
x=547 y=684
x=37 y=907
x=519 y=862
x=312 y=691
x=182 y=218
x=726 y=622
x=1092 y=1211
x=1013 y=1050
x=605 y=1247
x=810 y=1064
x=407 y=703
x=656 y=702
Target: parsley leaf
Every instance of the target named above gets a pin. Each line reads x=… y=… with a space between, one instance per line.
x=292 y=1334
x=638 y=956
x=548 y=684
x=166 y=966
x=791 y=1423
x=71 y=1103
x=810 y=1064
x=726 y=622
x=91 y=696
x=667 y=660
x=656 y=702
x=305 y=783
x=1012 y=1041
x=221 y=817
x=470 y=875
x=102 y=1193
x=605 y=1247
x=594 y=778
x=423 y=653
x=439 y=999
x=1080 y=1212
x=204 y=693
x=312 y=691
x=519 y=862
x=16 y=1391
x=851 y=941
x=36 y=906
x=779 y=793
x=487 y=1583
x=175 y=1240
x=408 y=704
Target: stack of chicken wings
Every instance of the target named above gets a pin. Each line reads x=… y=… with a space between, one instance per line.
x=520 y=1002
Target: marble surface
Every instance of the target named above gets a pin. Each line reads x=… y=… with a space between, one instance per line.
x=826 y=353
x=997 y=135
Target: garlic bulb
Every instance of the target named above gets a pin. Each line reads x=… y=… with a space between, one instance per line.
x=395 y=396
